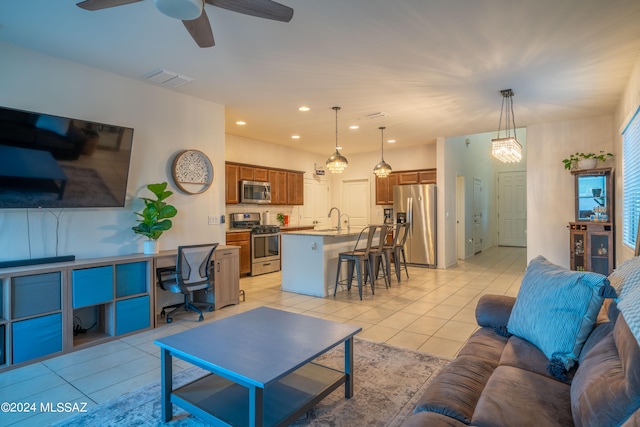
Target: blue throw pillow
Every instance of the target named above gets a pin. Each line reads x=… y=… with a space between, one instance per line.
x=556 y=310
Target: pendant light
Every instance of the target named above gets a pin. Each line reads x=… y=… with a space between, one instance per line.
x=507 y=149
x=382 y=169
x=337 y=162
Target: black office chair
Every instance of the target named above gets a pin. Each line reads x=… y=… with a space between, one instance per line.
x=192 y=273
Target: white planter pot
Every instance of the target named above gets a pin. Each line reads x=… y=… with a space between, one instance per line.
x=587 y=164
x=151 y=247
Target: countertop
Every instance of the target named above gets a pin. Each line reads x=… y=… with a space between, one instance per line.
x=330 y=232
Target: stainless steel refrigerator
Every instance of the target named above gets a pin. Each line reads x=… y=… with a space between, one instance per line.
x=416 y=204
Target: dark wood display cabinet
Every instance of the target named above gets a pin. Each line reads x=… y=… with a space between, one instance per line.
x=591 y=235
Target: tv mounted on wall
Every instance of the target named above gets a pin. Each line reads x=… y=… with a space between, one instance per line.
x=58 y=162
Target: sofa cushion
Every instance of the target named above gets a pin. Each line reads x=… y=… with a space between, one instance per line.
x=514 y=396
x=457 y=387
x=484 y=343
x=556 y=309
x=431 y=419
x=520 y=353
x=606 y=388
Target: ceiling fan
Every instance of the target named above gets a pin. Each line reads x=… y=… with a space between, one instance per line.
x=194 y=17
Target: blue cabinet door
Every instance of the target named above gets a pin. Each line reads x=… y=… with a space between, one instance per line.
x=131 y=279
x=92 y=286
x=132 y=315
x=36 y=337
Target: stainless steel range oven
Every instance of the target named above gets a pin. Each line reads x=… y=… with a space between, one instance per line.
x=265 y=242
x=265 y=249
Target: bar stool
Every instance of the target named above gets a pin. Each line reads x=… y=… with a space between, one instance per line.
x=377 y=256
x=358 y=260
x=398 y=250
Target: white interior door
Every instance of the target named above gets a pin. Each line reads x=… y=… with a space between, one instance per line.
x=512 y=209
x=477 y=215
x=356 y=202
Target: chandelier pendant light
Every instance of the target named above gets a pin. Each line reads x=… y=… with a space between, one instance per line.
x=382 y=169
x=507 y=149
x=337 y=162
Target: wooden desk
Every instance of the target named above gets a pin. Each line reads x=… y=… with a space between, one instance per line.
x=226 y=278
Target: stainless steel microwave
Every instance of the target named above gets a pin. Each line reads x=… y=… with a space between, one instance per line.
x=255 y=192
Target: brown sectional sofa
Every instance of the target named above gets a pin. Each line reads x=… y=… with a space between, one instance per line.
x=503 y=381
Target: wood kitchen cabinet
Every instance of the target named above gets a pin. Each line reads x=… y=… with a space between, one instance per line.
x=243 y=240
x=384 y=186
x=295 y=188
x=232 y=183
x=384 y=189
x=287 y=186
x=278 y=180
x=252 y=173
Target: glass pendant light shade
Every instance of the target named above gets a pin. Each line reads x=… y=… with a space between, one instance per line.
x=507 y=149
x=336 y=163
x=382 y=169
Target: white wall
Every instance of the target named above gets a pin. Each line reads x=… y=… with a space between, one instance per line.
x=550 y=187
x=629 y=102
x=164 y=123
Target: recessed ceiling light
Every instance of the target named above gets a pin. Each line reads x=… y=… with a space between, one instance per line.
x=241 y=123
x=354 y=127
x=304 y=108
x=295 y=136
x=391 y=141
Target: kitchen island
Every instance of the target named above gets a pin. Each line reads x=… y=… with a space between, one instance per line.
x=310 y=259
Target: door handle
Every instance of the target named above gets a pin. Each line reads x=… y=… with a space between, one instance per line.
x=218 y=267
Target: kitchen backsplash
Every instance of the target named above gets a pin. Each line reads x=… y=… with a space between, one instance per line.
x=274 y=210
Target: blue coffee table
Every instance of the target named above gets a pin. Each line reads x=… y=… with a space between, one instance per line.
x=261 y=367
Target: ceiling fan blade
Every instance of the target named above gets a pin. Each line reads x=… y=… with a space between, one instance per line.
x=200 y=30
x=261 y=8
x=103 y=4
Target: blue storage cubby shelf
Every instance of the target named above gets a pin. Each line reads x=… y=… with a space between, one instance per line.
x=132 y=314
x=131 y=279
x=3 y=343
x=92 y=286
x=36 y=337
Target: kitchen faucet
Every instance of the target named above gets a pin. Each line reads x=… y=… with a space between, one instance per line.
x=329 y=216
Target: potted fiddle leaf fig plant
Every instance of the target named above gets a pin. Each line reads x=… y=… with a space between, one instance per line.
x=154 y=220
x=585 y=160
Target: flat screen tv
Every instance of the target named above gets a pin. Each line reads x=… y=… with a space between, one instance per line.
x=58 y=162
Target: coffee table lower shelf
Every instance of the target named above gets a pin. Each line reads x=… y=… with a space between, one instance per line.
x=219 y=401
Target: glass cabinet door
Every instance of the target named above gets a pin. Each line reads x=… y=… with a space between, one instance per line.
x=578 y=245
x=593 y=195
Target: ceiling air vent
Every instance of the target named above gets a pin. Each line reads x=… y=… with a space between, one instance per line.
x=167 y=78
x=378 y=115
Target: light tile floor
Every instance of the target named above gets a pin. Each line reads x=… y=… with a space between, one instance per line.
x=432 y=311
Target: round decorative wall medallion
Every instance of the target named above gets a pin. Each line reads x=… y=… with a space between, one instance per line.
x=192 y=171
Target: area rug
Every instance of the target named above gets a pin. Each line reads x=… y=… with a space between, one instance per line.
x=388 y=382
x=84 y=188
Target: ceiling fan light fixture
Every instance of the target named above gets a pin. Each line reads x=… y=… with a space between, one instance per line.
x=382 y=169
x=336 y=163
x=185 y=10
x=507 y=149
